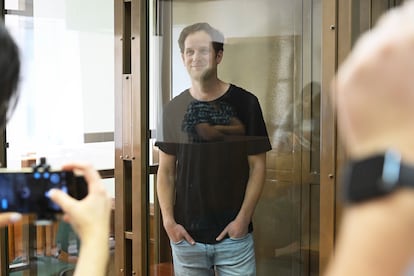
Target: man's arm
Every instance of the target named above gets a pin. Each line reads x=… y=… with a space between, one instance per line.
x=208 y=132
x=235 y=127
x=217 y=132
x=166 y=195
x=239 y=226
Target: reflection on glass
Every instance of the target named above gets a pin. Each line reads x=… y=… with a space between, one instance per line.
x=212 y=162
x=271 y=48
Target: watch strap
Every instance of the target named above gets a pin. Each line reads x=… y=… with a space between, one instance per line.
x=375 y=177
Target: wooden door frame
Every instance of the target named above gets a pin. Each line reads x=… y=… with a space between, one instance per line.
x=328 y=134
x=131 y=137
x=340 y=23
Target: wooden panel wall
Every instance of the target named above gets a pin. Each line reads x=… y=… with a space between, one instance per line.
x=343 y=23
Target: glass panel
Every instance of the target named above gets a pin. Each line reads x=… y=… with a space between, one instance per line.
x=272 y=49
x=65 y=112
x=68 y=64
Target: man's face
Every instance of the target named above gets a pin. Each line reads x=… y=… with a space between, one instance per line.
x=199 y=57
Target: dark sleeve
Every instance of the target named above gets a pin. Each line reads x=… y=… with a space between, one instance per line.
x=166 y=140
x=256 y=129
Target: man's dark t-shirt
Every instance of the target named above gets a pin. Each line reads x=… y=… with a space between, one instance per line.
x=211 y=176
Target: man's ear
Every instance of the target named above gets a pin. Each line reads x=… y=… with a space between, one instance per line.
x=219 y=56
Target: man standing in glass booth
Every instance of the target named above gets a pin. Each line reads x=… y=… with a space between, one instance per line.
x=212 y=164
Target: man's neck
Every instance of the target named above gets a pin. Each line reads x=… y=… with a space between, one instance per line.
x=208 y=90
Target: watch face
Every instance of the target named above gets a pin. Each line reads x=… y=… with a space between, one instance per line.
x=391 y=169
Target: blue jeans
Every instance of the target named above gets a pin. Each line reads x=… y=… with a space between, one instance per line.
x=229 y=257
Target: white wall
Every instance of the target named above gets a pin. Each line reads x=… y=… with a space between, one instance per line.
x=235 y=19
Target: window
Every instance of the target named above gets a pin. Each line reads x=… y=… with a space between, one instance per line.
x=66 y=109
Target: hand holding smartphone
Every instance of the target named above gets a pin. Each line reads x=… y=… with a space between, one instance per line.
x=25 y=191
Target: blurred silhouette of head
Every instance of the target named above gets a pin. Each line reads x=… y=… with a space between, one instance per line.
x=9 y=74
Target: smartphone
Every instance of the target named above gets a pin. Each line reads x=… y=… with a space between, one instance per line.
x=25 y=191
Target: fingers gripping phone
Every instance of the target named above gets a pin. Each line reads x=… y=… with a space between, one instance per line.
x=25 y=191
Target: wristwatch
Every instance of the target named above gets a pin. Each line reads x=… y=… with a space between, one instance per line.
x=376 y=176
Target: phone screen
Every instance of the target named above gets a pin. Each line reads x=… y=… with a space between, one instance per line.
x=25 y=192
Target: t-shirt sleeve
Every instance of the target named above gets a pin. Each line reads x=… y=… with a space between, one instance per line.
x=166 y=140
x=258 y=138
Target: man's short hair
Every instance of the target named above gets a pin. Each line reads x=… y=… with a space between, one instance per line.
x=216 y=36
x=9 y=74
